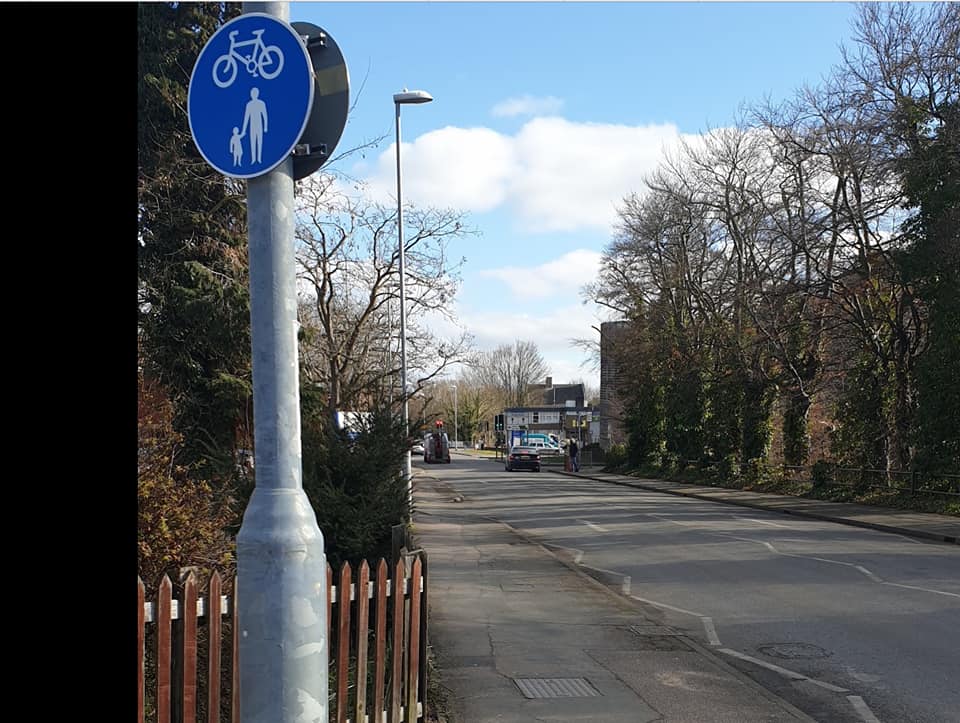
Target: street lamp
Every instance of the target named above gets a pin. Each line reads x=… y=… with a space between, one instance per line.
x=405 y=98
x=455 y=446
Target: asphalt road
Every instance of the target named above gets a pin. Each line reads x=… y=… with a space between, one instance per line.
x=845 y=623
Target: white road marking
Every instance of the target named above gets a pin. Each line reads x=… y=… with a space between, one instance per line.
x=594 y=527
x=577 y=554
x=922 y=589
x=761 y=522
x=764 y=664
x=666 y=518
x=666 y=607
x=828 y=686
x=869 y=574
x=624 y=584
x=859 y=568
x=864 y=712
x=711 y=631
x=791 y=674
x=768 y=545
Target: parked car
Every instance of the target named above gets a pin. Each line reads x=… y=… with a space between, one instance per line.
x=523 y=458
x=417 y=449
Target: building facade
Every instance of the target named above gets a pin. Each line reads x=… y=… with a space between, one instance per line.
x=613 y=334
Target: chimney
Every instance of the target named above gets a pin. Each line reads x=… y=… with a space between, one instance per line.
x=549 y=382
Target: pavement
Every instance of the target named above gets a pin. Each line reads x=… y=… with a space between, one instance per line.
x=520 y=634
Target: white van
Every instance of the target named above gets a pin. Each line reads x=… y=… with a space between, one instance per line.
x=542 y=445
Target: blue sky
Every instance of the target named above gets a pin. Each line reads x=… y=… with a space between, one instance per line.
x=546 y=115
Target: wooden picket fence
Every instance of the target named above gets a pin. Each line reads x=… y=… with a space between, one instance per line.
x=378 y=648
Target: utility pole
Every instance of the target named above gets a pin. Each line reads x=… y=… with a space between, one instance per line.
x=455 y=426
x=281 y=566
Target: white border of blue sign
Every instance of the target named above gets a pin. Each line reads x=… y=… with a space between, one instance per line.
x=311 y=87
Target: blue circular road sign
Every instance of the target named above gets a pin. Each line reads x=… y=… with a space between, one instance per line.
x=250 y=95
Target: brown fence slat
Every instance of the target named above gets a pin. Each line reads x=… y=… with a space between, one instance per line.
x=188 y=621
x=396 y=677
x=406 y=638
x=380 y=640
x=363 y=622
x=424 y=642
x=235 y=653
x=413 y=643
x=329 y=607
x=214 y=645
x=406 y=635
x=141 y=649
x=343 y=642
x=162 y=616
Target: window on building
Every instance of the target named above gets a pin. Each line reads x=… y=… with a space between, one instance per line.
x=536 y=417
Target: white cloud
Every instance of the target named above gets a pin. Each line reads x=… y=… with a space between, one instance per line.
x=575 y=174
x=553 y=175
x=560 y=277
x=527 y=105
x=465 y=168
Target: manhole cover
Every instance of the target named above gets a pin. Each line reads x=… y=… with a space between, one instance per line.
x=556 y=687
x=794 y=651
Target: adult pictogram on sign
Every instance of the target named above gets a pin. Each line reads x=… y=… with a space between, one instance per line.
x=250 y=95
x=255 y=119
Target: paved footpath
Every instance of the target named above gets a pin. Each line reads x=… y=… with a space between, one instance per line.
x=521 y=636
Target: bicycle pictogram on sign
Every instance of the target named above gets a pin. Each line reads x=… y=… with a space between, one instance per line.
x=265 y=61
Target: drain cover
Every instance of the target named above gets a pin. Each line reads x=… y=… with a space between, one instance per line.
x=556 y=687
x=794 y=651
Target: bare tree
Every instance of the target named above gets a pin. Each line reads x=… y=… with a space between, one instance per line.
x=511 y=369
x=348 y=271
x=772 y=252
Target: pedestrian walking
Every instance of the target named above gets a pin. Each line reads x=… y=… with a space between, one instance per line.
x=574 y=455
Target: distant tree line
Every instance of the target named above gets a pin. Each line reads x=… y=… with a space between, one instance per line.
x=510 y=375
x=804 y=266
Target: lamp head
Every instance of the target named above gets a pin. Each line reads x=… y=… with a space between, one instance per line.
x=409 y=97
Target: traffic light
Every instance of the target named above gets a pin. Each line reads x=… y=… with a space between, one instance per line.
x=498 y=423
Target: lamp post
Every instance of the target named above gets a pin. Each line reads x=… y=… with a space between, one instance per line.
x=405 y=98
x=281 y=592
x=455 y=427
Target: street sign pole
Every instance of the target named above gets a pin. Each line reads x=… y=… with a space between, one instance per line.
x=281 y=566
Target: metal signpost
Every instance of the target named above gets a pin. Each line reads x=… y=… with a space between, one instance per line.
x=250 y=99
